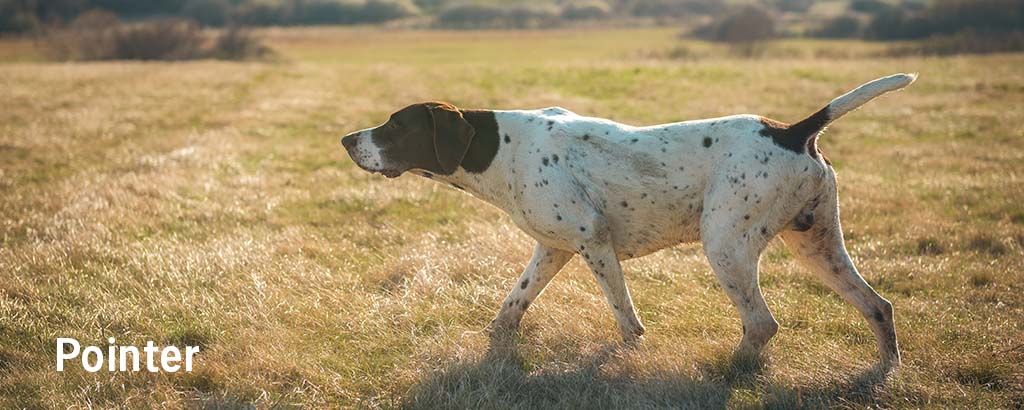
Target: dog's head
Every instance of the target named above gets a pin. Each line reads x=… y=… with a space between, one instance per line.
x=432 y=136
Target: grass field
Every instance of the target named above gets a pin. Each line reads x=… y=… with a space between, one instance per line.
x=210 y=203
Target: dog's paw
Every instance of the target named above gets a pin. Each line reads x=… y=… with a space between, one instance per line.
x=634 y=336
x=502 y=328
x=889 y=363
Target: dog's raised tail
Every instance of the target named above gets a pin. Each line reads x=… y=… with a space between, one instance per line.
x=802 y=136
x=867 y=92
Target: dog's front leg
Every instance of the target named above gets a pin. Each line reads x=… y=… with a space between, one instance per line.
x=544 y=265
x=599 y=253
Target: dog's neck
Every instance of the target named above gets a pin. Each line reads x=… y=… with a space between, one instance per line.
x=487 y=185
x=491 y=186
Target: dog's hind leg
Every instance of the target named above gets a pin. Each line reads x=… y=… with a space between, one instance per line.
x=734 y=261
x=817 y=243
x=543 y=266
x=733 y=239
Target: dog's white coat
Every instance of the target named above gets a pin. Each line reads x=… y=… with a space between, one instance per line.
x=609 y=191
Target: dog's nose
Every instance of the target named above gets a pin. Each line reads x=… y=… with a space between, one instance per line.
x=348 y=141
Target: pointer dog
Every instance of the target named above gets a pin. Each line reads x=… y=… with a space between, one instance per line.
x=609 y=192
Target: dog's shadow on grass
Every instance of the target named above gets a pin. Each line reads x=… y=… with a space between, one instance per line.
x=503 y=379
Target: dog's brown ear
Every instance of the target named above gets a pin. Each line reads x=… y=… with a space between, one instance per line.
x=452 y=135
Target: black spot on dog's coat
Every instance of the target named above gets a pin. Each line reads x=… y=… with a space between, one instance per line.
x=525 y=282
x=707 y=142
x=484 y=146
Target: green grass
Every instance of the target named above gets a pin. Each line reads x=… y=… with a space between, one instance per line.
x=210 y=203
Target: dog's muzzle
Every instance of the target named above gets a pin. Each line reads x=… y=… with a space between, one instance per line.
x=365 y=156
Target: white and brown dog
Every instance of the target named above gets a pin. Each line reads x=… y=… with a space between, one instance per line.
x=610 y=192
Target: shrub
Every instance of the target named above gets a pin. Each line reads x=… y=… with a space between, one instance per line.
x=238 y=43
x=90 y=36
x=746 y=25
x=167 y=39
x=98 y=35
x=591 y=10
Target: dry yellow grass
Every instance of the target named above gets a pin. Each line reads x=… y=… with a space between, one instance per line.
x=210 y=203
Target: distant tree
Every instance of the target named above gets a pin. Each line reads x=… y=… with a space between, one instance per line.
x=951 y=16
x=470 y=16
x=137 y=7
x=844 y=26
x=537 y=16
x=430 y=5
x=259 y=13
x=208 y=12
x=794 y=6
x=870 y=6
x=376 y=11
x=474 y=16
x=588 y=10
x=17 y=16
x=673 y=8
x=325 y=12
x=945 y=17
